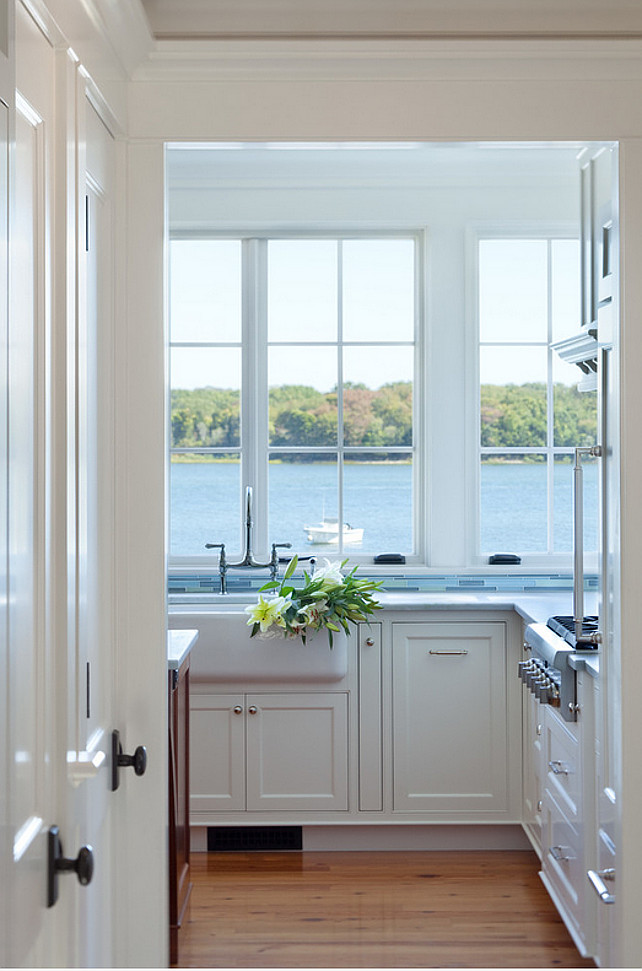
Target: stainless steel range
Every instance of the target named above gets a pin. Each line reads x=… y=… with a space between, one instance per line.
x=551 y=666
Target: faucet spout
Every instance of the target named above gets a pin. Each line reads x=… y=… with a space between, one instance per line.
x=248 y=560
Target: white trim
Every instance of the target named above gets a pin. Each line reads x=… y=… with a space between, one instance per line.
x=392 y=59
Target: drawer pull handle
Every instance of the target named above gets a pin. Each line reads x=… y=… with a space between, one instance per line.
x=559 y=853
x=253 y=709
x=448 y=653
x=598 y=880
x=237 y=709
x=558 y=768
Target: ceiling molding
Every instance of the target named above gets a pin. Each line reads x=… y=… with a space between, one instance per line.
x=393 y=60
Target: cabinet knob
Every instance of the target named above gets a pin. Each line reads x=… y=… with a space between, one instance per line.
x=253 y=709
x=237 y=709
x=369 y=641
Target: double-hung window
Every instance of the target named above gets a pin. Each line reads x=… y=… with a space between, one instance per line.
x=293 y=370
x=531 y=413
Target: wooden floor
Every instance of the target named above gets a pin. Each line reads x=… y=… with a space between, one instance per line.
x=372 y=910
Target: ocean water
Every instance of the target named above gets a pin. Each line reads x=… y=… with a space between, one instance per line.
x=206 y=506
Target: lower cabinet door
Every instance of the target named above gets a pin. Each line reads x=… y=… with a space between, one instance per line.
x=217 y=752
x=450 y=718
x=297 y=751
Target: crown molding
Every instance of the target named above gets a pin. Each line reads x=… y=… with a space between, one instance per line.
x=119 y=31
x=392 y=59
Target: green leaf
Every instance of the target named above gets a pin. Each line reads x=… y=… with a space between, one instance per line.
x=291 y=567
x=255 y=629
x=270 y=585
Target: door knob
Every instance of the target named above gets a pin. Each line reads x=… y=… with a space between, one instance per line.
x=138 y=761
x=82 y=866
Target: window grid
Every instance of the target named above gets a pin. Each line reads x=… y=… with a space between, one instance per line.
x=549 y=450
x=254 y=467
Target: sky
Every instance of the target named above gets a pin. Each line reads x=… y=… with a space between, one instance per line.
x=376 y=281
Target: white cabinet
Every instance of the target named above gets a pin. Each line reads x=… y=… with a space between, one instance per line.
x=533 y=737
x=269 y=751
x=425 y=728
x=559 y=805
x=450 y=719
x=563 y=868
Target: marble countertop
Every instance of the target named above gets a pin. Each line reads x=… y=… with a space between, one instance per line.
x=179 y=644
x=534 y=606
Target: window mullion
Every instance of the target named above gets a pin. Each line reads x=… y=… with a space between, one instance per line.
x=253 y=410
x=550 y=402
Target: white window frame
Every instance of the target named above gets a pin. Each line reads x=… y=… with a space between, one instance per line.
x=529 y=561
x=253 y=450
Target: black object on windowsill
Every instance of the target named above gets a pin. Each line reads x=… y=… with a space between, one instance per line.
x=506 y=558
x=389 y=558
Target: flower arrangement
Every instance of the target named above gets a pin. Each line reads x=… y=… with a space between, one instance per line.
x=328 y=599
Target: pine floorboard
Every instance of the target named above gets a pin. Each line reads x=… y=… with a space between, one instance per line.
x=372 y=910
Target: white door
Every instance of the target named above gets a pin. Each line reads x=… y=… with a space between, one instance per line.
x=35 y=746
x=90 y=530
x=5 y=847
x=60 y=689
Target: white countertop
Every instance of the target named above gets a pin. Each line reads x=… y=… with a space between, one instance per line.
x=179 y=644
x=534 y=606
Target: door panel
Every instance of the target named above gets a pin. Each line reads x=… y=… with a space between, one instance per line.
x=450 y=745
x=217 y=752
x=5 y=854
x=32 y=735
x=297 y=747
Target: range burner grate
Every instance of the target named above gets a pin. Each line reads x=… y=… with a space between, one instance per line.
x=565 y=628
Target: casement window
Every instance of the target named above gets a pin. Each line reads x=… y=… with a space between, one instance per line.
x=293 y=370
x=531 y=415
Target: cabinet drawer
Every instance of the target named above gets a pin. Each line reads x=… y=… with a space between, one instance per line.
x=562 y=764
x=563 y=863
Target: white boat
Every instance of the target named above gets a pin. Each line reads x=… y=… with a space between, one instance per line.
x=327 y=532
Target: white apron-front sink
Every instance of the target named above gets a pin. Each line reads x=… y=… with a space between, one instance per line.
x=225 y=652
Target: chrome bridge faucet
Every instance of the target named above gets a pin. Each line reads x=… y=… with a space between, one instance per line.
x=248 y=562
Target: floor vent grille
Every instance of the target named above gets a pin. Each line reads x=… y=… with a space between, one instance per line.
x=248 y=838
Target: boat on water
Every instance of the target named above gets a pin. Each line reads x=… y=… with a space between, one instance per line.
x=327 y=532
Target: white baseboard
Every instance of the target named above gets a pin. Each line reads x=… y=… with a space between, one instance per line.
x=430 y=837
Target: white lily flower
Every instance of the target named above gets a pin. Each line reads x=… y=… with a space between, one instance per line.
x=330 y=574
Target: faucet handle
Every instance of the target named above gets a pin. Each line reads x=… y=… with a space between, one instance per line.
x=217 y=546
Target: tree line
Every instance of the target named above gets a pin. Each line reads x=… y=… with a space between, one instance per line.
x=511 y=416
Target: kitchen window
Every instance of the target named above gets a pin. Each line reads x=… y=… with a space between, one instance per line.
x=531 y=415
x=293 y=369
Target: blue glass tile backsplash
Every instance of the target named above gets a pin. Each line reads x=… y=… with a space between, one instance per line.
x=191 y=583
